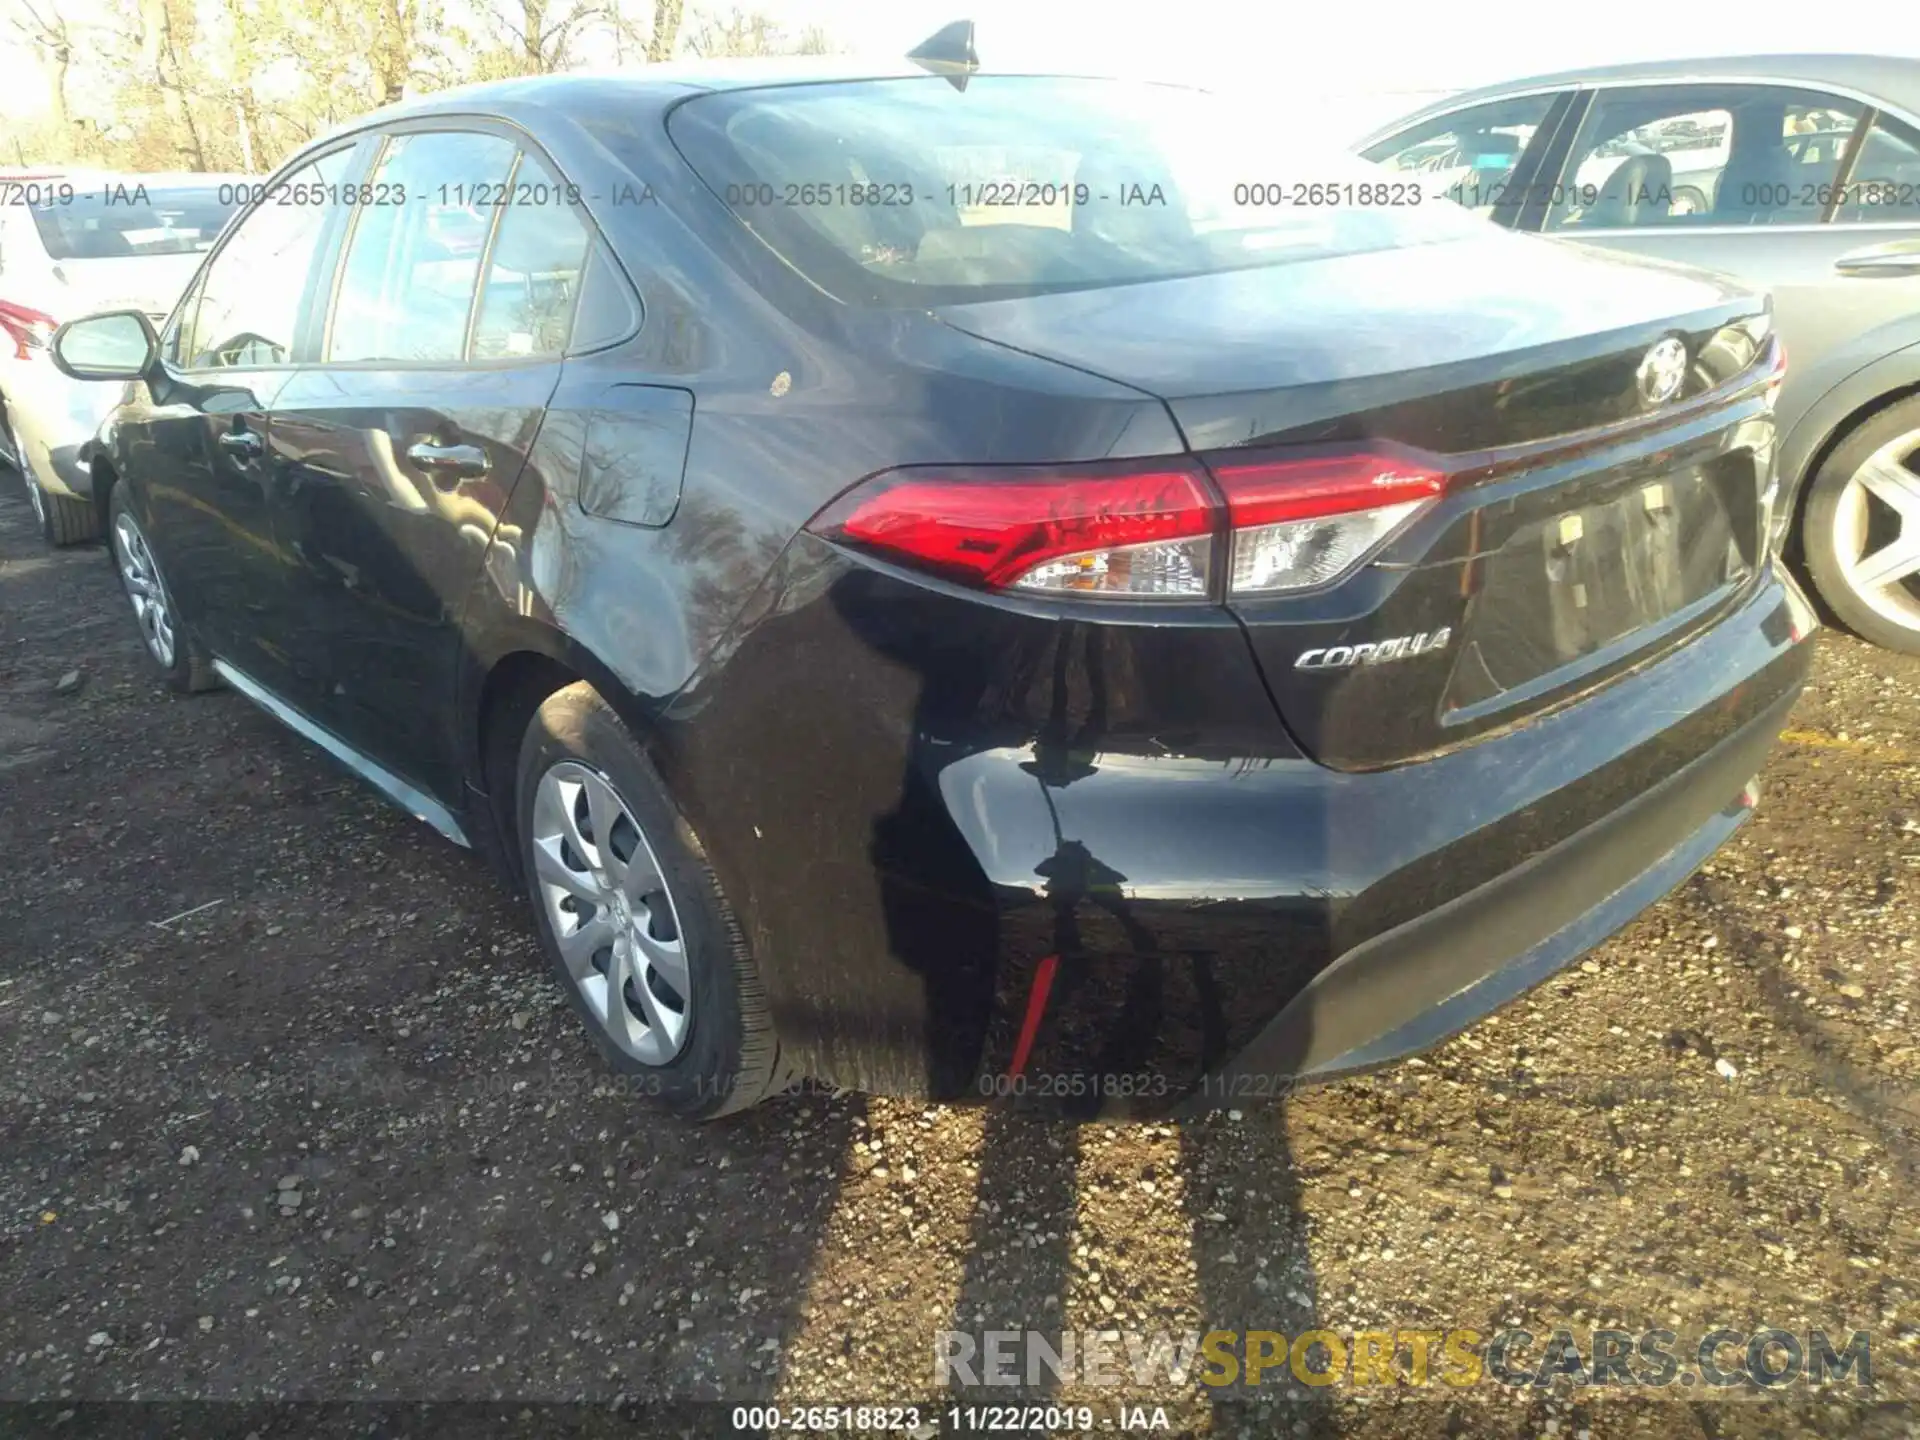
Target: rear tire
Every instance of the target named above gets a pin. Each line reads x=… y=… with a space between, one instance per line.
x=65 y=519
x=699 y=1040
x=184 y=666
x=1863 y=515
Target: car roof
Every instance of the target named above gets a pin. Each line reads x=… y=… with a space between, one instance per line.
x=654 y=88
x=1893 y=79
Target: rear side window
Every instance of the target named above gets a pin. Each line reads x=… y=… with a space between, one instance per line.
x=910 y=192
x=1467 y=155
x=413 y=261
x=533 y=270
x=1886 y=178
x=1681 y=155
x=124 y=221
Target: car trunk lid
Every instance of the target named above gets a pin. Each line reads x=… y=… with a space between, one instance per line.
x=1586 y=524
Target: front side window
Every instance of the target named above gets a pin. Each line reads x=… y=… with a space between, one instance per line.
x=413 y=261
x=174 y=344
x=1686 y=155
x=251 y=294
x=1468 y=156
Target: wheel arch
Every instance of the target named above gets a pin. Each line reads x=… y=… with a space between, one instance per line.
x=523 y=668
x=1826 y=425
x=1837 y=435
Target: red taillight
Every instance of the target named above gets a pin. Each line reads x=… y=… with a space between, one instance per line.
x=29 y=329
x=1139 y=530
x=1330 y=482
x=1306 y=518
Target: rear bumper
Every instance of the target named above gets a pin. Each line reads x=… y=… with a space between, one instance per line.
x=56 y=420
x=1294 y=924
x=1414 y=986
x=995 y=797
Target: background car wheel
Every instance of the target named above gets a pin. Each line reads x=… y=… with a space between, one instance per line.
x=184 y=666
x=1862 y=530
x=632 y=918
x=63 y=519
x=1688 y=201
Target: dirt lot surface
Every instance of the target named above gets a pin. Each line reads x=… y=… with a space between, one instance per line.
x=332 y=1135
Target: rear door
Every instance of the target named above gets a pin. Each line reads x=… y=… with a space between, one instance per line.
x=398 y=447
x=1776 y=184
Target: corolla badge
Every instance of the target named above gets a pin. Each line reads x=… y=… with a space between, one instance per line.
x=1662 y=371
x=1400 y=647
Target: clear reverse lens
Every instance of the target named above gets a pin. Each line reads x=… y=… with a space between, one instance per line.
x=1115 y=528
x=1300 y=554
x=1173 y=568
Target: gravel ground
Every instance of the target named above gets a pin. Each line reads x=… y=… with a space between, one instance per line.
x=332 y=1135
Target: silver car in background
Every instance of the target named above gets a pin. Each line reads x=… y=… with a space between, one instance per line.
x=1799 y=173
x=73 y=242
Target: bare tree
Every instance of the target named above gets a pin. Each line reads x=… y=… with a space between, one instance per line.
x=216 y=84
x=656 y=35
x=47 y=31
x=666 y=30
x=399 y=32
x=168 y=36
x=536 y=37
x=752 y=32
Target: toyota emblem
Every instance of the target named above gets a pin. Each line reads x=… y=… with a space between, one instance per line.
x=1662 y=371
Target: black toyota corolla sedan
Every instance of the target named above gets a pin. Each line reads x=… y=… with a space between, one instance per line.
x=969 y=585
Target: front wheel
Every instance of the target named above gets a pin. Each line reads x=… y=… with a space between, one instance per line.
x=1862 y=532
x=183 y=665
x=632 y=918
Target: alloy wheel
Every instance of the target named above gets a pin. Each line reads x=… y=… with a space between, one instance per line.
x=144 y=588
x=1876 y=531
x=19 y=456
x=612 y=914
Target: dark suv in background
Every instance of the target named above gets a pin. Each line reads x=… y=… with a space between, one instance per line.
x=939 y=588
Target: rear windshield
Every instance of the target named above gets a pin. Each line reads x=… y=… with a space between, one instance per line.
x=910 y=192
x=133 y=220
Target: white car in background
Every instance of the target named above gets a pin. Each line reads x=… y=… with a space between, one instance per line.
x=73 y=242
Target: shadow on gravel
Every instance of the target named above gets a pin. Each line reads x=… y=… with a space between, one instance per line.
x=1080 y=994
x=333 y=1134
x=1251 y=1269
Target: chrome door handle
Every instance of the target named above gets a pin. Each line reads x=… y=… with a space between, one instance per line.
x=448 y=464
x=1895 y=258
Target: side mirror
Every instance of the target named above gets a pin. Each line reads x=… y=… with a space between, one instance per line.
x=116 y=345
